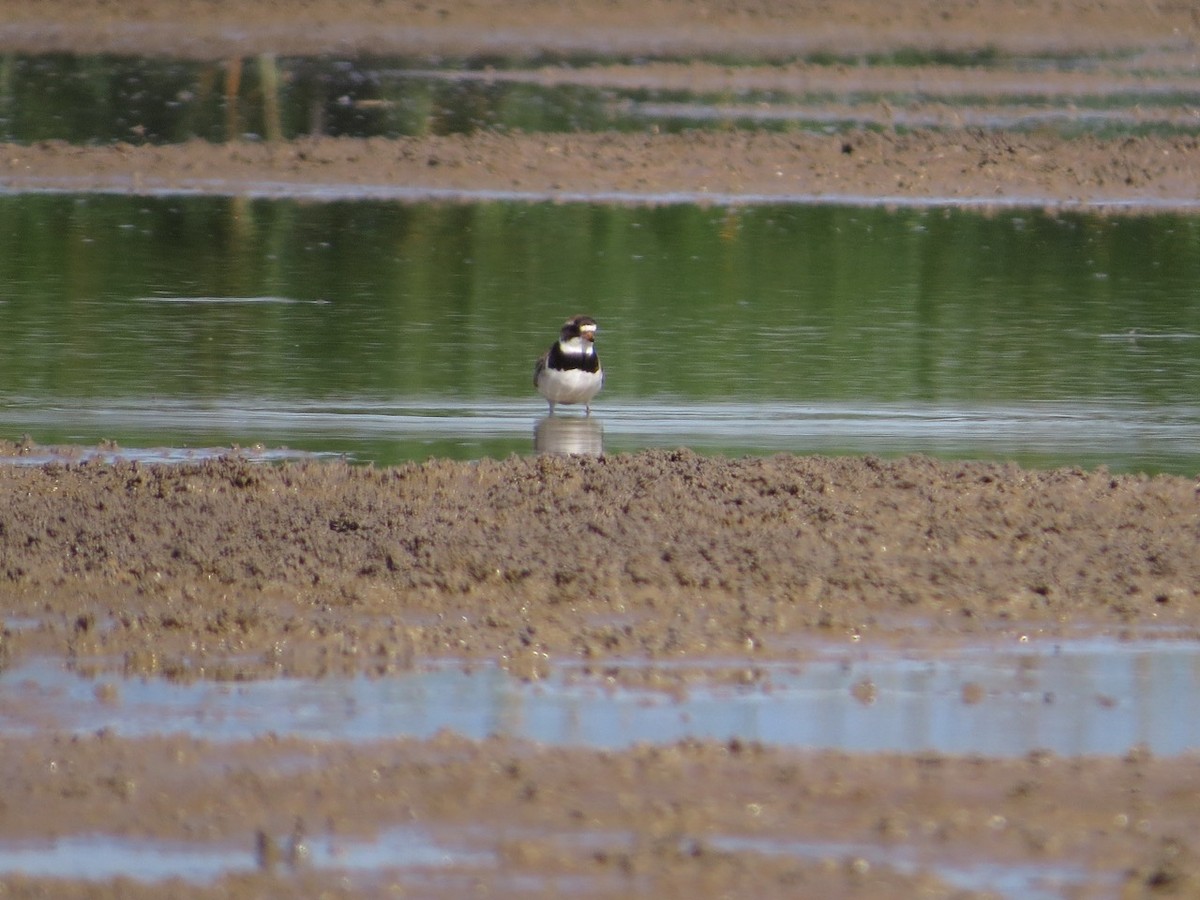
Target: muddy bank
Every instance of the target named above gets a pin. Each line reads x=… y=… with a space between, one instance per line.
x=312 y=568
x=519 y=820
x=229 y=570
x=1129 y=174
x=975 y=122
x=529 y=28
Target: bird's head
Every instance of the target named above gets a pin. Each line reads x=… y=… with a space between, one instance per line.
x=579 y=327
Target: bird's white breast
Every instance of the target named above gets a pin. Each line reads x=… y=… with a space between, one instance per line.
x=569 y=385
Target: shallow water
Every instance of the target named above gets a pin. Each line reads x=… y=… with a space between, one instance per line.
x=1027 y=881
x=101 y=857
x=90 y=99
x=1078 y=697
x=382 y=326
x=411 y=849
x=1006 y=697
x=388 y=332
x=1122 y=437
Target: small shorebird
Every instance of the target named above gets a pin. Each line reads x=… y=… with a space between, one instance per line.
x=569 y=372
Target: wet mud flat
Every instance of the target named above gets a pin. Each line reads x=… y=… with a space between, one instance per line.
x=995 y=104
x=666 y=574
x=233 y=571
x=1142 y=174
x=506 y=818
x=305 y=568
x=764 y=29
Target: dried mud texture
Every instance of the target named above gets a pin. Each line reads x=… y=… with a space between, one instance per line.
x=317 y=567
x=982 y=168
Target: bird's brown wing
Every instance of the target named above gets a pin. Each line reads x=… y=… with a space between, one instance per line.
x=540 y=366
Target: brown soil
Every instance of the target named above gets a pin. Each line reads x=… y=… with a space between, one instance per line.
x=643 y=823
x=304 y=569
x=980 y=168
x=1147 y=48
x=212 y=29
x=233 y=570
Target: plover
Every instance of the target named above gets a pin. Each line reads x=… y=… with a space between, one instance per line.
x=569 y=372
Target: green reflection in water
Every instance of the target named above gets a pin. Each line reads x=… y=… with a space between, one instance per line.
x=101 y=99
x=201 y=300
x=85 y=99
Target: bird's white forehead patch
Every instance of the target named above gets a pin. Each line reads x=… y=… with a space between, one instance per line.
x=587 y=328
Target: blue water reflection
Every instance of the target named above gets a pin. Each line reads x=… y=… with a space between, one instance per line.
x=1077 y=697
x=100 y=857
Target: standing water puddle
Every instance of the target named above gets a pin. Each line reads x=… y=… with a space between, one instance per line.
x=103 y=98
x=1122 y=436
x=1079 y=697
x=100 y=857
x=108 y=98
x=413 y=850
x=1094 y=696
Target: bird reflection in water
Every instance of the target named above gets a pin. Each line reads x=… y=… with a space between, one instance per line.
x=571 y=435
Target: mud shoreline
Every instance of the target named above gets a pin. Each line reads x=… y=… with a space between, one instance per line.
x=228 y=570
x=930 y=138
x=531 y=29
x=624 y=824
x=313 y=568
x=975 y=169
